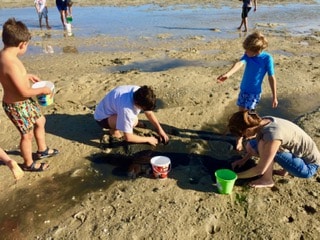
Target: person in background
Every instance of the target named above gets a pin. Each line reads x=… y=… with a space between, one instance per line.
x=257 y=63
x=119 y=109
x=275 y=140
x=246 y=7
x=42 y=10
x=62 y=8
x=17 y=100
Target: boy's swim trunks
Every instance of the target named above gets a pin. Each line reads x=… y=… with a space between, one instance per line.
x=23 y=114
x=61 y=5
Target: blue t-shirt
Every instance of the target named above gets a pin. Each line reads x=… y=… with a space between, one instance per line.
x=255 y=69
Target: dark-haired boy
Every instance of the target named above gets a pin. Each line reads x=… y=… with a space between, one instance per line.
x=119 y=109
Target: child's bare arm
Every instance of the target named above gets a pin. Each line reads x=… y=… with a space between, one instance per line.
x=273 y=86
x=232 y=70
x=239 y=163
x=18 y=85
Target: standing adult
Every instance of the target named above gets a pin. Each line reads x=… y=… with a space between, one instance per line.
x=276 y=140
x=246 y=7
x=62 y=8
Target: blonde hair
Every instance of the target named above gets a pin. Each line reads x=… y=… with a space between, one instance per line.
x=255 y=42
x=242 y=120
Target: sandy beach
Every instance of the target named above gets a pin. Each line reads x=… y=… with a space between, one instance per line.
x=85 y=194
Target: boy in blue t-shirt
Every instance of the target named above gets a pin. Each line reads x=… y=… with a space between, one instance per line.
x=257 y=63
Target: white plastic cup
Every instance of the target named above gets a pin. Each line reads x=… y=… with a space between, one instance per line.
x=45 y=100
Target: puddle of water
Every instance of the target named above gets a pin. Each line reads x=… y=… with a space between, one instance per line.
x=156 y=65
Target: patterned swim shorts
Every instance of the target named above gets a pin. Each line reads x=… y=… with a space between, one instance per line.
x=23 y=114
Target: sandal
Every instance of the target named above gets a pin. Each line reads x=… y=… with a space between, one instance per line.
x=32 y=167
x=45 y=153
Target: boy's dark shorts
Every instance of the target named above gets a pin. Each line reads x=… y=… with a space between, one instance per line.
x=245 y=11
x=104 y=123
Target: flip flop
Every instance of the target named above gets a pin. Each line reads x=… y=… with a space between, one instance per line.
x=46 y=154
x=32 y=167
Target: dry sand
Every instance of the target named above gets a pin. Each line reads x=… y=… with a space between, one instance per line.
x=80 y=198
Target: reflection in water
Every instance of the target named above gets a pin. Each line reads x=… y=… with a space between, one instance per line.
x=70 y=49
x=45 y=41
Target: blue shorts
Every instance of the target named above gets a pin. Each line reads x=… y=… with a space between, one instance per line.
x=44 y=13
x=62 y=5
x=294 y=165
x=248 y=101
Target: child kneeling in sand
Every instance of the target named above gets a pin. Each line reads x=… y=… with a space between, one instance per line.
x=17 y=102
x=276 y=140
x=119 y=109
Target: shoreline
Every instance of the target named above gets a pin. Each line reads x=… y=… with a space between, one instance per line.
x=166 y=3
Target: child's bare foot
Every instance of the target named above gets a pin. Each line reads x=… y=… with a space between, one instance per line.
x=15 y=169
x=259 y=183
x=280 y=172
x=48 y=27
x=115 y=133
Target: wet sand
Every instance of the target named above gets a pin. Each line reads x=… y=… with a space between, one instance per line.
x=84 y=196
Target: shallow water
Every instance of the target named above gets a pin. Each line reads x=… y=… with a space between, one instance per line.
x=182 y=21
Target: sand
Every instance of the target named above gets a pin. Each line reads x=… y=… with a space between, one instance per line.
x=84 y=196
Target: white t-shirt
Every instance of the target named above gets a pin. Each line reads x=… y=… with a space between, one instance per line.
x=119 y=101
x=41 y=3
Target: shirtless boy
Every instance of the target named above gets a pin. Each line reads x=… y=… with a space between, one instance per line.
x=17 y=102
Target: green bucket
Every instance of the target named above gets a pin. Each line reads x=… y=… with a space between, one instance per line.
x=225 y=180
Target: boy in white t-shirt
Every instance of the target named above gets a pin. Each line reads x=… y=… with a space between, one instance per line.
x=119 y=109
x=42 y=10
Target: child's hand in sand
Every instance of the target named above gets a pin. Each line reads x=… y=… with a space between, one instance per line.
x=222 y=78
x=238 y=163
x=152 y=141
